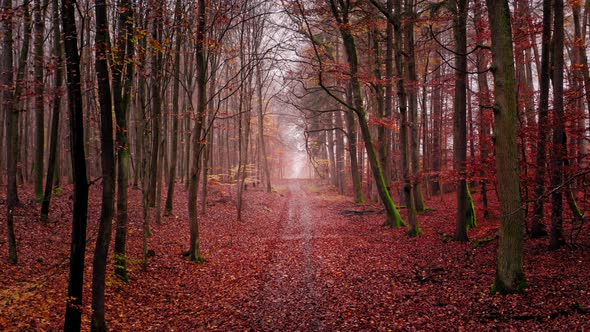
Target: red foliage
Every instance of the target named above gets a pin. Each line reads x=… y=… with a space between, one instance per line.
x=294 y=263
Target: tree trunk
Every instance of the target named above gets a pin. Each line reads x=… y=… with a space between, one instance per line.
x=436 y=114
x=538 y=228
x=557 y=155
x=339 y=156
x=39 y=103
x=178 y=17
x=405 y=140
x=352 y=145
x=485 y=102
x=194 y=253
x=414 y=152
x=78 y=244
x=103 y=239
x=11 y=122
x=262 y=140
x=156 y=96
x=122 y=100
x=51 y=162
x=509 y=274
x=388 y=105
x=459 y=118
x=393 y=217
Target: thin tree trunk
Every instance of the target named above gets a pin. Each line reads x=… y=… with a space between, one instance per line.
x=352 y=145
x=341 y=15
x=261 y=138
x=11 y=122
x=339 y=152
x=414 y=152
x=557 y=155
x=194 y=253
x=103 y=240
x=122 y=100
x=58 y=78
x=156 y=96
x=39 y=100
x=178 y=18
x=460 y=126
x=405 y=140
x=484 y=102
x=78 y=244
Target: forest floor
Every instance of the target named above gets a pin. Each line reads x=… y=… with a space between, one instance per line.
x=294 y=263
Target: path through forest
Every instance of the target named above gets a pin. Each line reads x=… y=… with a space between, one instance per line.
x=294 y=263
x=292 y=292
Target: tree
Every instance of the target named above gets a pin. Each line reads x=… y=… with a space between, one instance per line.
x=103 y=239
x=156 y=97
x=7 y=82
x=178 y=17
x=460 y=7
x=412 y=77
x=340 y=12
x=58 y=79
x=510 y=276
x=39 y=91
x=538 y=228
x=122 y=65
x=406 y=134
x=558 y=137
x=73 y=315
x=194 y=253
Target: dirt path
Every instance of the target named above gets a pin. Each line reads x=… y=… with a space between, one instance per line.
x=294 y=263
x=291 y=296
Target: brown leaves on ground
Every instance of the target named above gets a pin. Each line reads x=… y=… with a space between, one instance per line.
x=293 y=263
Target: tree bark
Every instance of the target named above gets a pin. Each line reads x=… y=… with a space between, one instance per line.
x=156 y=96
x=538 y=228
x=58 y=81
x=178 y=17
x=393 y=217
x=413 y=107
x=459 y=118
x=39 y=100
x=103 y=239
x=122 y=99
x=485 y=102
x=194 y=253
x=78 y=244
x=11 y=122
x=557 y=155
x=510 y=276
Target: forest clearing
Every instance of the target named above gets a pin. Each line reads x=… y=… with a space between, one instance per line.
x=296 y=263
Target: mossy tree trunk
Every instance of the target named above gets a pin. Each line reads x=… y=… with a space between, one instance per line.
x=342 y=17
x=122 y=64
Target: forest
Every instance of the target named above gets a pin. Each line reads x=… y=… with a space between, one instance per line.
x=294 y=165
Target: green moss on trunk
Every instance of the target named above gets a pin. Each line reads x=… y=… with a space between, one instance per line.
x=471 y=219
